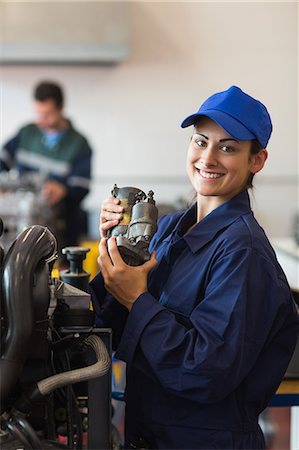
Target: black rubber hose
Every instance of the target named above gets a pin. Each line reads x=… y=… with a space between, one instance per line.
x=17 y=434
x=51 y=432
x=32 y=246
x=29 y=431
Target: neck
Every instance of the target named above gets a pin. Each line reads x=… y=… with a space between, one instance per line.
x=59 y=126
x=205 y=205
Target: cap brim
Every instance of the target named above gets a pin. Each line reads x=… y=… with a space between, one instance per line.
x=231 y=125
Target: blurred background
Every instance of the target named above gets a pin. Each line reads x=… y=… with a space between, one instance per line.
x=132 y=71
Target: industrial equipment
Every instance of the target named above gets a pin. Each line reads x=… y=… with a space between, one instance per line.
x=55 y=368
x=138 y=225
x=22 y=205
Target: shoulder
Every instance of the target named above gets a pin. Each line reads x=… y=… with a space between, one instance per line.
x=29 y=129
x=73 y=133
x=26 y=133
x=246 y=235
x=246 y=231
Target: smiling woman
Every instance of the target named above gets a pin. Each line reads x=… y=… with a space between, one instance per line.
x=219 y=166
x=200 y=324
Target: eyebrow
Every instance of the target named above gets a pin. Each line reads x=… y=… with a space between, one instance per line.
x=220 y=140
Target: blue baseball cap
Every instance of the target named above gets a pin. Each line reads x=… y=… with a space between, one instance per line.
x=241 y=115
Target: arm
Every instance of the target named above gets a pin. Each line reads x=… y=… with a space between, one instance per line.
x=245 y=306
x=109 y=312
x=78 y=180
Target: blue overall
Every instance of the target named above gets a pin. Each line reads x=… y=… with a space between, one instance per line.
x=207 y=346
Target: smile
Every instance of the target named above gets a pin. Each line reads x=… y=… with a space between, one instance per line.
x=209 y=175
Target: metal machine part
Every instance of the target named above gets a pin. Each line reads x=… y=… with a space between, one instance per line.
x=75 y=275
x=23 y=259
x=45 y=348
x=74 y=303
x=139 y=224
x=49 y=384
x=1 y=248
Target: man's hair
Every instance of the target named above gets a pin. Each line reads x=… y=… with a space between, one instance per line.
x=47 y=90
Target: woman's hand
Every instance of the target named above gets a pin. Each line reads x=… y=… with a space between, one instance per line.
x=125 y=283
x=111 y=215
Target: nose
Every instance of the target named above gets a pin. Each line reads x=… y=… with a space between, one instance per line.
x=209 y=157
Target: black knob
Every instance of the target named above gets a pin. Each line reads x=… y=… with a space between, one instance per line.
x=76 y=256
x=76 y=275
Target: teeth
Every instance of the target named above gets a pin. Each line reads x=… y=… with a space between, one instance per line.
x=210 y=175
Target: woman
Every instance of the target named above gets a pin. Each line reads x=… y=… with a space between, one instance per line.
x=207 y=327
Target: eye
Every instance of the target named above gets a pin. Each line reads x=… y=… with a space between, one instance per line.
x=227 y=149
x=199 y=142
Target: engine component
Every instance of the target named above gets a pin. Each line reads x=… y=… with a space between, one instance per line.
x=48 y=343
x=1 y=248
x=73 y=307
x=34 y=245
x=76 y=275
x=138 y=225
x=48 y=385
x=99 y=368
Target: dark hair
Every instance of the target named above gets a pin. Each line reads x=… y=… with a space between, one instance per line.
x=255 y=148
x=49 y=91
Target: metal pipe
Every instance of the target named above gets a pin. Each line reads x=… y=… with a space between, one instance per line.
x=98 y=369
x=27 y=429
x=18 y=434
x=33 y=246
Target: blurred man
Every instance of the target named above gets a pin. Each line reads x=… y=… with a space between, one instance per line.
x=52 y=147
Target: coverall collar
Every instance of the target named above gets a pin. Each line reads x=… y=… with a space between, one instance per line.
x=217 y=220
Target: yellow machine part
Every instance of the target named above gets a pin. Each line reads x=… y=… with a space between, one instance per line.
x=90 y=264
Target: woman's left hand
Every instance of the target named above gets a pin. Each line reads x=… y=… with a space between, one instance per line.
x=125 y=283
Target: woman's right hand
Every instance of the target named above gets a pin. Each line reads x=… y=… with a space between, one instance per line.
x=111 y=215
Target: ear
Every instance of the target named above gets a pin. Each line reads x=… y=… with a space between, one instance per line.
x=258 y=160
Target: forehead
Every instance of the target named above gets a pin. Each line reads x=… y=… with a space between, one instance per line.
x=207 y=125
x=215 y=133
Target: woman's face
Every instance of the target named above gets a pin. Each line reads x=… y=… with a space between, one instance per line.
x=219 y=165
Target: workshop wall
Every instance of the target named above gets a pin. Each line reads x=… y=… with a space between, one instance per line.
x=180 y=52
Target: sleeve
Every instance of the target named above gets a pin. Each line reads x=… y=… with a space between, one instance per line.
x=244 y=303
x=108 y=312
x=78 y=181
x=8 y=152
